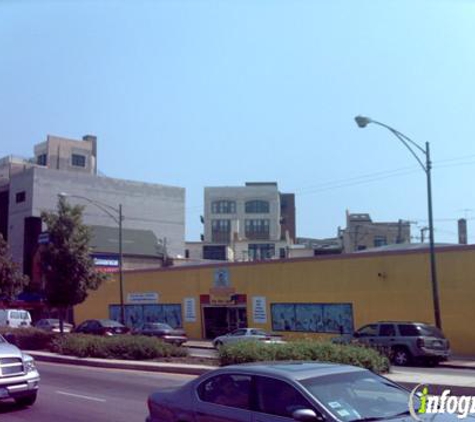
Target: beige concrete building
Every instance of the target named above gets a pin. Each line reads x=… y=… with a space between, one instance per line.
x=362 y=233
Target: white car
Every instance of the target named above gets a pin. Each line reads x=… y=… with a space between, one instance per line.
x=246 y=334
x=19 y=378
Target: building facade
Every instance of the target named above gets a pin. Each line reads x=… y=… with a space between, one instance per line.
x=362 y=233
x=310 y=297
x=250 y=222
x=60 y=166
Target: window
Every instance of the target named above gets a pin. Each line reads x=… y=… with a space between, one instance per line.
x=380 y=241
x=408 y=330
x=387 y=330
x=257 y=229
x=313 y=317
x=368 y=331
x=78 y=160
x=276 y=397
x=232 y=390
x=223 y=207
x=261 y=251
x=282 y=253
x=220 y=230
x=20 y=197
x=42 y=160
x=257 y=207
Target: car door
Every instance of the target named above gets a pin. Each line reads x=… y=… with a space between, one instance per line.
x=387 y=335
x=236 y=335
x=224 y=398
x=276 y=400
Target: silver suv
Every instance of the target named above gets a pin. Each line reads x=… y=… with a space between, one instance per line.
x=19 y=378
x=408 y=341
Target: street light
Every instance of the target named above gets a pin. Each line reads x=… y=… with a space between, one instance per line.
x=118 y=218
x=362 y=122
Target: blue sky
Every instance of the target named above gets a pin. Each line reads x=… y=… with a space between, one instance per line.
x=208 y=93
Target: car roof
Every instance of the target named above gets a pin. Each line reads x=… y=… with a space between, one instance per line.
x=294 y=370
x=403 y=322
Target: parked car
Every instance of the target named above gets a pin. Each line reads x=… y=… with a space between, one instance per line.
x=19 y=378
x=14 y=318
x=102 y=327
x=408 y=341
x=284 y=391
x=52 y=325
x=246 y=334
x=162 y=331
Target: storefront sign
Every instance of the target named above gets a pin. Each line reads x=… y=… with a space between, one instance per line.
x=221 y=295
x=259 y=309
x=190 y=309
x=145 y=297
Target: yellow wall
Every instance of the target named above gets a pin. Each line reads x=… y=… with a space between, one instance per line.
x=403 y=292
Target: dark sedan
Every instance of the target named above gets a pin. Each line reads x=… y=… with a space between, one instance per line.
x=102 y=327
x=285 y=391
x=163 y=332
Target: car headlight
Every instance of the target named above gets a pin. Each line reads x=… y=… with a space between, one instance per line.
x=30 y=365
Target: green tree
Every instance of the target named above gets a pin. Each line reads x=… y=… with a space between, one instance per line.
x=66 y=261
x=12 y=280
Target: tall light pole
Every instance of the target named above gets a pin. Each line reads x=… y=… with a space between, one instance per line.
x=118 y=218
x=362 y=122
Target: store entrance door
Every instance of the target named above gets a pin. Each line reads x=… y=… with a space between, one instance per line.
x=219 y=320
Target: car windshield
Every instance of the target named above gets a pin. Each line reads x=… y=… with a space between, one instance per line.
x=430 y=331
x=359 y=395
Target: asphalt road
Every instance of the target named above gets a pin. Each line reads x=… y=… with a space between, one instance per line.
x=82 y=394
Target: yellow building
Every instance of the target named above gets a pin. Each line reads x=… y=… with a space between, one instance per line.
x=319 y=296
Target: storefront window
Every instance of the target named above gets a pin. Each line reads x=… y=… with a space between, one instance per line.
x=313 y=317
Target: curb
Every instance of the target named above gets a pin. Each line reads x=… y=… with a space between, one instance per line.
x=173 y=368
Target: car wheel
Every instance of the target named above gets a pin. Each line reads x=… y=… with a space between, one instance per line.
x=26 y=400
x=401 y=357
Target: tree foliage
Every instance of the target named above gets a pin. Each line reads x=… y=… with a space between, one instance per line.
x=12 y=280
x=67 y=264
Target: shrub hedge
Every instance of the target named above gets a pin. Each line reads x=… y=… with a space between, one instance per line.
x=306 y=350
x=117 y=347
x=29 y=338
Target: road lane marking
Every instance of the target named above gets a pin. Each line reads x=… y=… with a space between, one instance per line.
x=80 y=396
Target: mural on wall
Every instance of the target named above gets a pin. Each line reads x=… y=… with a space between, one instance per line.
x=136 y=315
x=313 y=317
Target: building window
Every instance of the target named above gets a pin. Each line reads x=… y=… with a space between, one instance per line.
x=257 y=207
x=257 y=229
x=42 y=160
x=313 y=317
x=223 y=207
x=261 y=251
x=20 y=197
x=380 y=241
x=78 y=160
x=220 y=230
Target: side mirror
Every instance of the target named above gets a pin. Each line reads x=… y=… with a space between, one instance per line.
x=306 y=415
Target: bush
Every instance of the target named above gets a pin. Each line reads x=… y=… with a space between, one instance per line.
x=29 y=338
x=118 y=347
x=305 y=350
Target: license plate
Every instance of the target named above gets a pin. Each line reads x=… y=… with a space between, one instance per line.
x=3 y=393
